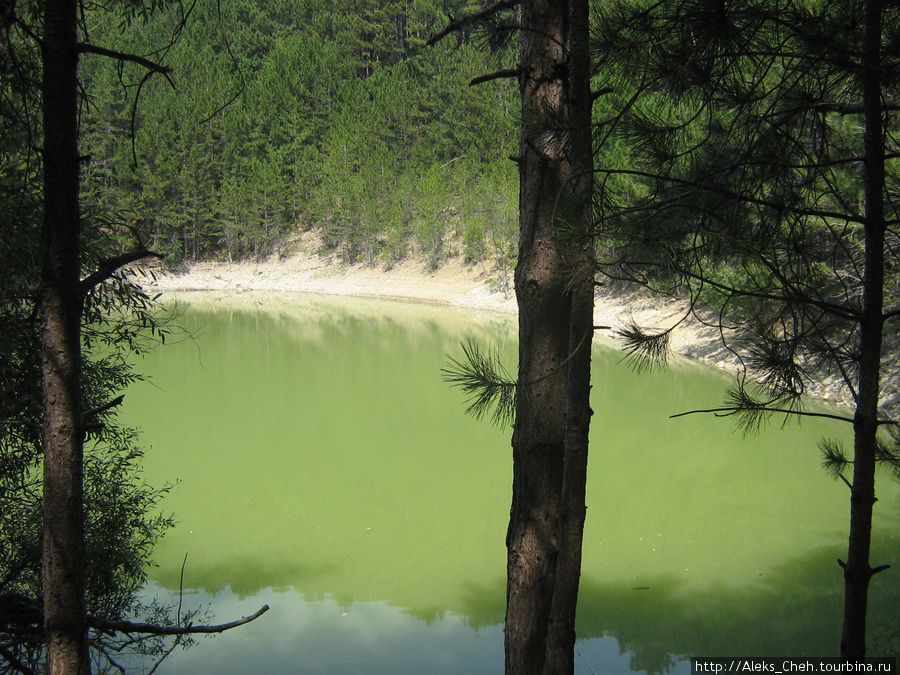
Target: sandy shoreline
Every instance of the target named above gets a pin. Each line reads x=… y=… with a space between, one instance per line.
x=454 y=284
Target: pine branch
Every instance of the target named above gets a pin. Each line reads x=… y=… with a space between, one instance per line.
x=752 y=412
x=728 y=411
x=498 y=75
x=463 y=22
x=838 y=310
x=110 y=266
x=485 y=382
x=773 y=358
x=645 y=351
x=649 y=351
x=756 y=411
x=887 y=452
x=834 y=458
x=736 y=196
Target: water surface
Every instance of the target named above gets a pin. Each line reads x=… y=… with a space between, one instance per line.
x=325 y=469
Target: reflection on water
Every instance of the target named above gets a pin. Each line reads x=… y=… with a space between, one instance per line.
x=327 y=470
x=326 y=637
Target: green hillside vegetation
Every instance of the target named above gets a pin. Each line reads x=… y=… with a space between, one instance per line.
x=287 y=116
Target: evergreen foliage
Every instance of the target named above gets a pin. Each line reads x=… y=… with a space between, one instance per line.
x=290 y=116
x=483 y=379
x=735 y=177
x=755 y=172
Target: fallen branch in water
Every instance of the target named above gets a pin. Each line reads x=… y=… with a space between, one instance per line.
x=129 y=627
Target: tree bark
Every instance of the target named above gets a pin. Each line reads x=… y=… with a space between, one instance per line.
x=560 y=657
x=857 y=570
x=61 y=308
x=560 y=649
x=550 y=436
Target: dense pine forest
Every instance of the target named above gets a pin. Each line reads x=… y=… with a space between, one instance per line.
x=282 y=116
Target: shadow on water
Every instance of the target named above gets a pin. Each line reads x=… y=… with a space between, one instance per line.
x=794 y=610
x=243 y=575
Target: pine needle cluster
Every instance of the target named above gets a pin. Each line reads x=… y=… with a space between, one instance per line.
x=490 y=390
x=645 y=351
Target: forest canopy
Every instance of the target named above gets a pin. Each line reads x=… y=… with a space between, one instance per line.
x=283 y=116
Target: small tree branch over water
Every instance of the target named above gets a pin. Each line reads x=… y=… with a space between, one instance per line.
x=489 y=388
x=132 y=628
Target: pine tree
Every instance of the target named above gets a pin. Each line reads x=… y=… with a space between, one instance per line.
x=755 y=173
x=555 y=293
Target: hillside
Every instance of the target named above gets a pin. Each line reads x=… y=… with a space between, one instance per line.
x=290 y=115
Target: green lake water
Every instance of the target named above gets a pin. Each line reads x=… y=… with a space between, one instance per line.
x=324 y=468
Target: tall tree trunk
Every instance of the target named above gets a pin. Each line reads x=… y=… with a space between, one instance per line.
x=560 y=649
x=560 y=659
x=61 y=308
x=552 y=298
x=857 y=570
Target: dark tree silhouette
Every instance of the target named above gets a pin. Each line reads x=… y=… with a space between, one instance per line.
x=72 y=293
x=760 y=178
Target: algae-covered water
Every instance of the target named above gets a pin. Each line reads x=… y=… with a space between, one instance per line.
x=324 y=468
